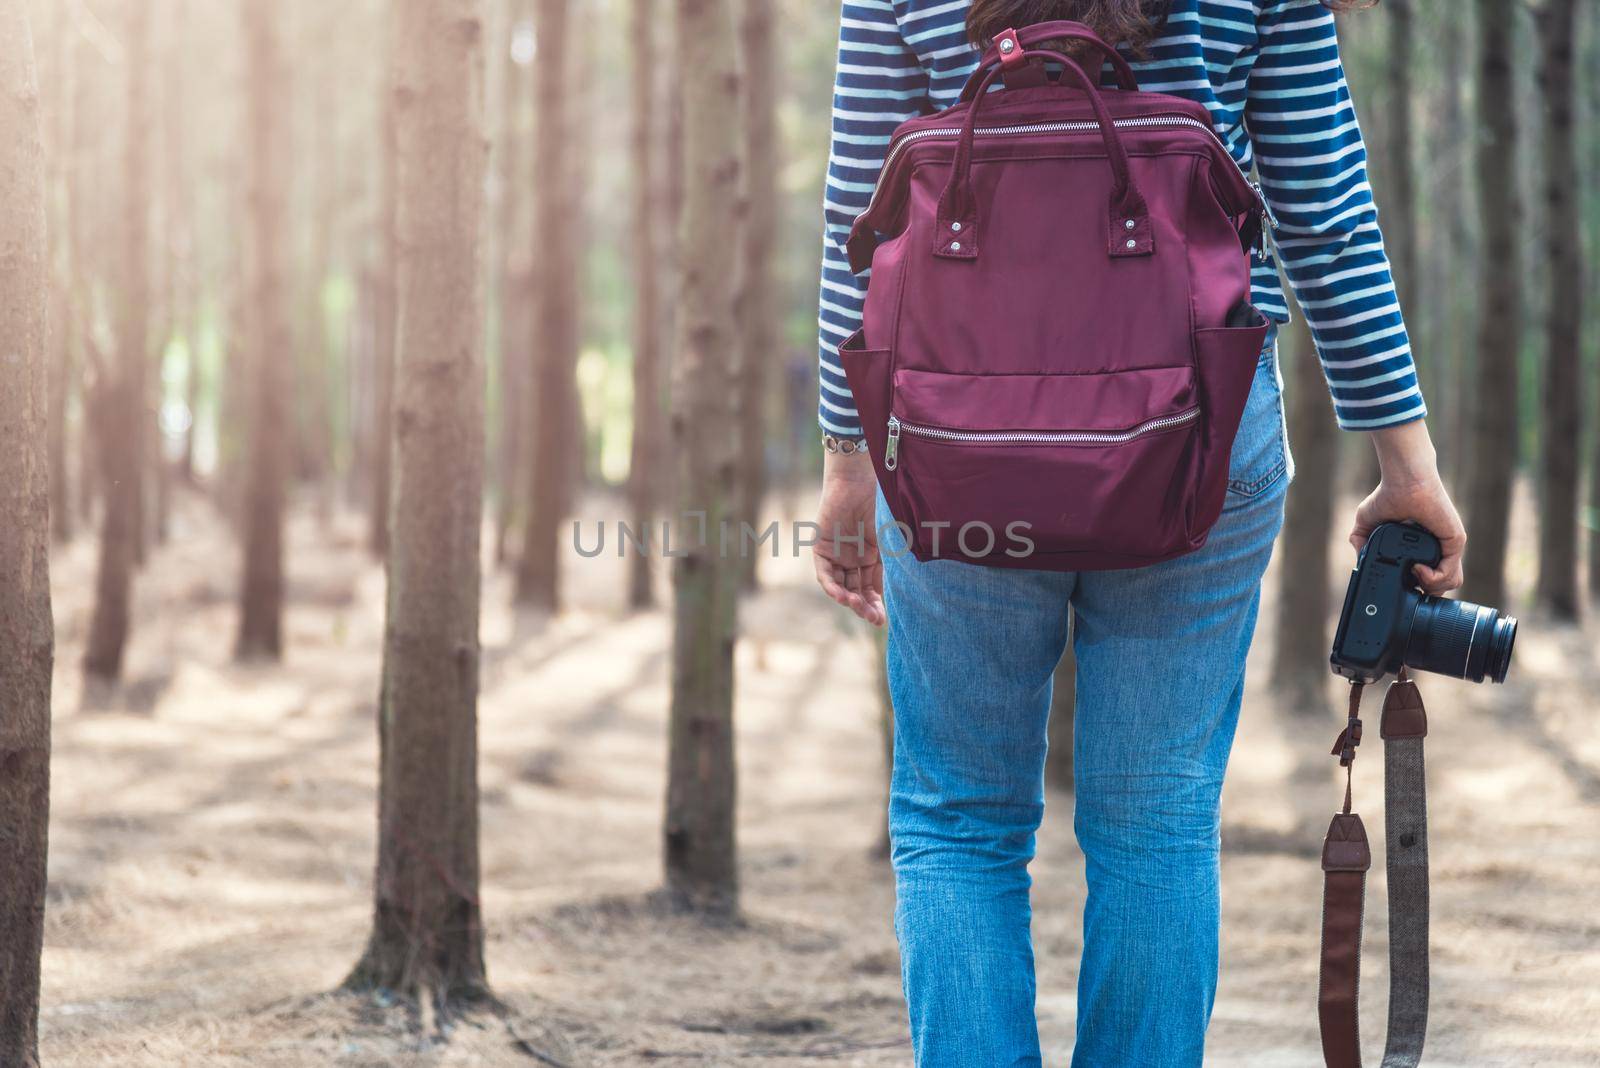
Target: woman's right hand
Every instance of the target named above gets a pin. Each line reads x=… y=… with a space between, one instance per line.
x=1411 y=489
x=849 y=568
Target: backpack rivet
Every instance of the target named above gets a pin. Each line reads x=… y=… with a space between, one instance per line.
x=955 y=246
x=1007 y=46
x=1129 y=224
x=1132 y=243
x=955 y=226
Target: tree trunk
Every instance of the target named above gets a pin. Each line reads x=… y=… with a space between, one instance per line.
x=1450 y=306
x=174 y=244
x=234 y=389
x=516 y=389
x=553 y=407
x=1300 y=662
x=193 y=389
x=313 y=385
x=360 y=370
x=1400 y=199
x=82 y=226
x=1591 y=63
x=141 y=136
x=26 y=629
x=1493 y=442
x=385 y=312
x=1561 y=426
x=700 y=856
x=186 y=288
x=759 y=315
x=582 y=117
x=60 y=387
x=670 y=152
x=644 y=467
x=427 y=936
x=267 y=335
x=58 y=207
x=513 y=331
x=118 y=413
x=1058 y=765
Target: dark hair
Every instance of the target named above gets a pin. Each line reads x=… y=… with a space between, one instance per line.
x=1133 y=23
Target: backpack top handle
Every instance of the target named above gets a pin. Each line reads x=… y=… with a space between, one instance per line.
x=1129 y=232
x=1038 y=33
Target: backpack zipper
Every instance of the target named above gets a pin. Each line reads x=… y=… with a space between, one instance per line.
x=1268 y=219
x=1031 y=437
x=1024 y=129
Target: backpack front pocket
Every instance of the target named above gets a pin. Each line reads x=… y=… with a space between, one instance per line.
x=1066 y=464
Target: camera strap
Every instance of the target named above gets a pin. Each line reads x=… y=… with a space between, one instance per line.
x=1346 y=857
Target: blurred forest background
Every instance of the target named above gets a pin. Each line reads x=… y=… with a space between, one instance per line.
x=319 y=285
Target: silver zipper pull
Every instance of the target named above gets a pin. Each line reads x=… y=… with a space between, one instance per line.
x=893 y=448
x=1269 y=221
x=1266 y=209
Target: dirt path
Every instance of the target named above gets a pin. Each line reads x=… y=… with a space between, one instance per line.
x=212 y=845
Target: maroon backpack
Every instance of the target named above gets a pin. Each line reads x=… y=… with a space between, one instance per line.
x=1058 y=339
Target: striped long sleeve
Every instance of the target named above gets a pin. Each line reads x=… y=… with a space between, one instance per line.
x=1313 y=167
x=880 y=84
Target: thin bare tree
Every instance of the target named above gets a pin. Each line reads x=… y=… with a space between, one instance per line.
x=60 y=95
x=188 y=291
x=384 y=312
x=1400 y=178
x=509 y=279
x=1451 y=237
x=1591 y=63
x=118 y=414
x=317 y=353
x=760 y=319
x=644 y=466
x=268 y=337
x=173 y=241
x=427 y=931
x=82 y=225
x=26 y=629
x=553 y=418
x=701 y=859
x=1492 y=444
x=1561 y=425
x=1300 y=660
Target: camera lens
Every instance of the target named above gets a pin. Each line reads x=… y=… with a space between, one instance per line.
x=1459 y=638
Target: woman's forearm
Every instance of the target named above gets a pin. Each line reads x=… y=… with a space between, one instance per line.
x=1406 y=455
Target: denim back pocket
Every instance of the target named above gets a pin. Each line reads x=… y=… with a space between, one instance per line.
x=1260 y=456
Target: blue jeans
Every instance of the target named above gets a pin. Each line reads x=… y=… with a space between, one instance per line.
x=1160 y=659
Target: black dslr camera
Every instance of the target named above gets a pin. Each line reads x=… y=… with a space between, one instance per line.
x=1388 y=623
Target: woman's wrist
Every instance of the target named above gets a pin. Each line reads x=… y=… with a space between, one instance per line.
x=1406 y=455
x=848 y=467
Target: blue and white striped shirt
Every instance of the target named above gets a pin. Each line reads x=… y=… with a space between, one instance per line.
x=1268 y=71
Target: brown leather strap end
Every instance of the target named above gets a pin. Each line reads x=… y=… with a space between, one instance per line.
x=1338 y=986
x=1344 y=746
x=1346 y=848
x=1403 y=713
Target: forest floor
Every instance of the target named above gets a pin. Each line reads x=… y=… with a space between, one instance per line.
x=212 y=842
